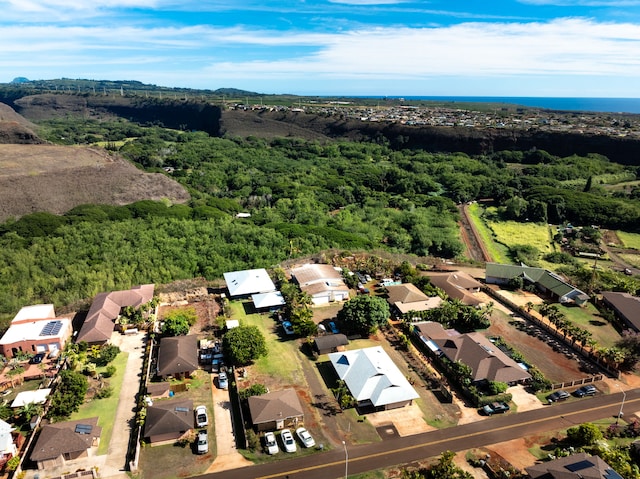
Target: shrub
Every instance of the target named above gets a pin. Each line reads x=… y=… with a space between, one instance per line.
x=110 y=371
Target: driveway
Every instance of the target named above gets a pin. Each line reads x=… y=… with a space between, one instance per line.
x=227 y=456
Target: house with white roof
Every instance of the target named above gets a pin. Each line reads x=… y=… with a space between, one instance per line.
x=248 y=282
x=373 y=379
x=35 y=329
x=8 y=447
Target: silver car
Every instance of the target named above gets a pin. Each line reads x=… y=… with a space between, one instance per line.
x=202 y=445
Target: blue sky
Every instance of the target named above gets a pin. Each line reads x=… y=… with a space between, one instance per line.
x=570 y=48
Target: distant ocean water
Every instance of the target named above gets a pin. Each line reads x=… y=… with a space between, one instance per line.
x=610 y=105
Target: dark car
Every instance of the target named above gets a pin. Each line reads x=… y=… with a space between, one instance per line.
x=588 y=390
x=495 y=408
x=558 y=396
x=37 y=359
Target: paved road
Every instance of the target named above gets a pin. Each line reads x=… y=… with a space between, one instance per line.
x=403 y=450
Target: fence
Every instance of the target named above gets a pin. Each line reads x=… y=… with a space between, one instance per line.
x=552 y=331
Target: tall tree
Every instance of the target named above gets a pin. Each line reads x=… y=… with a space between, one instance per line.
x=364 y=314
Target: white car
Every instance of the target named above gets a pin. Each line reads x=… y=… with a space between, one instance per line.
x=287 y=441
x=270 y=443
x=202 y=443
x=305 y=438
x=223 y=383
x=202 y=419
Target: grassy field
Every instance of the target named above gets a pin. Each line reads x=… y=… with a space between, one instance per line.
x=105 y=408
x=287 y=365
x=587 y=317
x=511 y=233
x=629 y=240
x=632 y=259
x=498 y=252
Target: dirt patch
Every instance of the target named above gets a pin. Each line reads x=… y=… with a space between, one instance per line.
x=58 y=178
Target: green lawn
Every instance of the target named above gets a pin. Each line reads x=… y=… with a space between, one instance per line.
x=511 y=233
x=105 y=408
x=587 y=317
x=287 y=364
x=629 y=240
x=632 y=259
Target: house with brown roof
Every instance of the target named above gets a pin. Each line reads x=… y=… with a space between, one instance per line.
x=322 y=282
x=168 y=420
x=35 y=329
x=625 y=306
x=105 y=309
x=59 y=443
x=177 y=356
x=407 y=297
x=276 y=410
x=486 y=360
x=576 y=466
x=458 y=285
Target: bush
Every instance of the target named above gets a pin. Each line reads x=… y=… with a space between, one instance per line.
x=110 y=371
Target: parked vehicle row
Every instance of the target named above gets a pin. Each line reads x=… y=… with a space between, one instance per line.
x=288 y=441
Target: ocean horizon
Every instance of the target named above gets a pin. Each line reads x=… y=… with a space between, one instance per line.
x=601 y=105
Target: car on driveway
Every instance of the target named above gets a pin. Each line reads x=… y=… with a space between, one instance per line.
x=270 y=443
x=305 y=438
x=334 y=329
x=202 y=445
x=495 y=408
x=223 y=382
x=288 y=441
x=37 y=359
x=288 y=327
x=202 y=419
x=558 y=396
x=587 y=390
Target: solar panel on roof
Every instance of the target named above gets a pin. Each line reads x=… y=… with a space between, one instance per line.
x=51 y=328
x=580 y=465
x=182 y=409
x=84 y=428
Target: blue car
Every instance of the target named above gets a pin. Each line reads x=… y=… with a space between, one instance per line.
x=334 y=329
x=288 y=327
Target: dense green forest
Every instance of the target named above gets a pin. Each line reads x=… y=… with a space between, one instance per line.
x=302 y=197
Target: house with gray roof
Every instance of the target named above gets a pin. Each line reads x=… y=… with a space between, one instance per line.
x=546 y=282
x=61 y=442
x=372 y=378
x=276 y=410
x=330 y=343
x=625 y=306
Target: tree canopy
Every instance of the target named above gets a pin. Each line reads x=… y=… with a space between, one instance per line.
x=364 y=314
x=244 y=344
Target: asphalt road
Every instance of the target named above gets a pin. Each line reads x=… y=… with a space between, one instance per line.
x=404 y=450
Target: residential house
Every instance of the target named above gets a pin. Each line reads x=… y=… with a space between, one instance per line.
x=458 y=285
x=59 y=443
x=486 y=360
x=372 y=378
x=8 y=447
x=248 y=282
x=276 y=410
x=576 y=466
x=177 y=356
x=546 y=282
x=322 y=282
x=35 y=329
x=105 y=309
x=265 y=301
x=168 y=420
x=404 y=298
x=329 y=343
x=625 y=306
